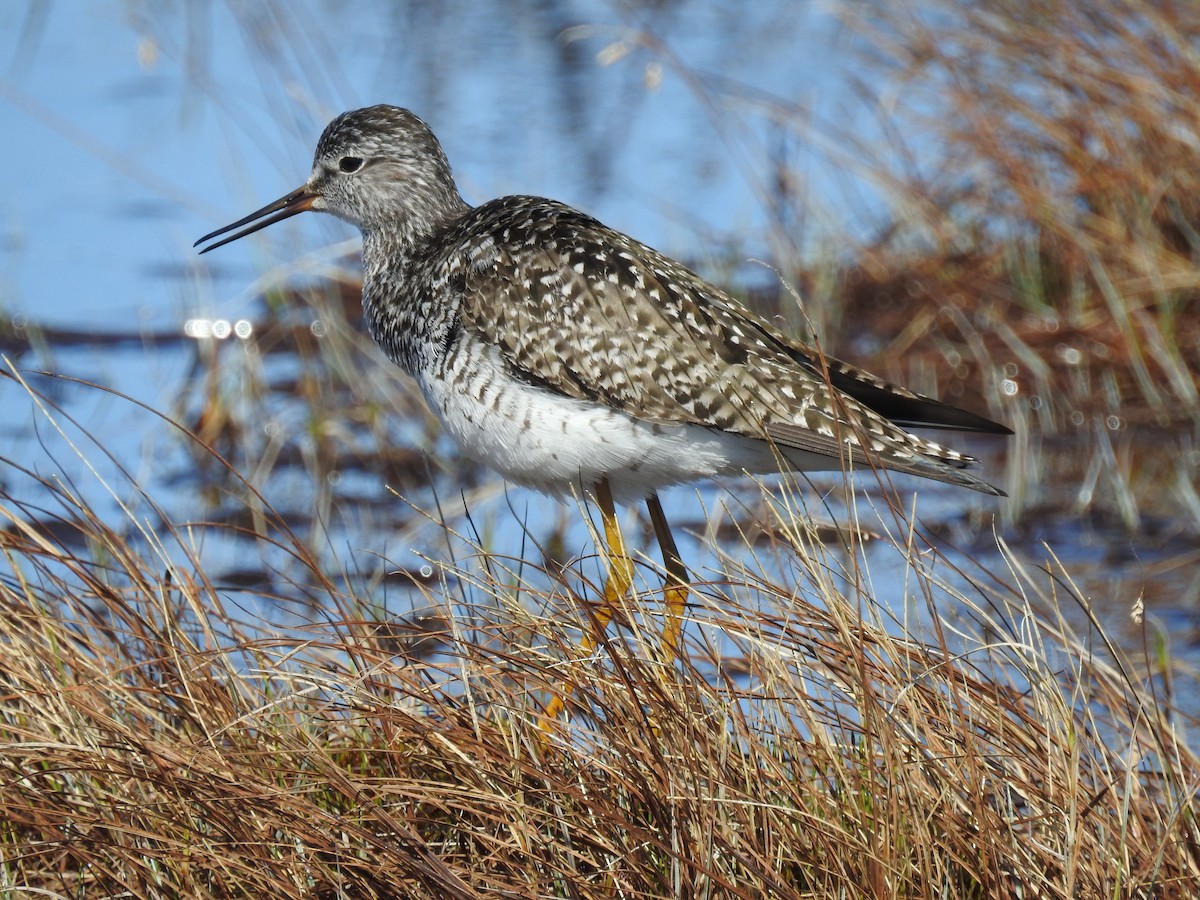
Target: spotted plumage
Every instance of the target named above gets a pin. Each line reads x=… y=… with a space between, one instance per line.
x=562 y=352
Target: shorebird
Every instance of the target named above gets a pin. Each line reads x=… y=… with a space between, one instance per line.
x=572 y=357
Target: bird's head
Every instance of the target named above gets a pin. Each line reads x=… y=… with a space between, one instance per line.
x=377 y=168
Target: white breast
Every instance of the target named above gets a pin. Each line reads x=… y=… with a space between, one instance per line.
x=550 y=442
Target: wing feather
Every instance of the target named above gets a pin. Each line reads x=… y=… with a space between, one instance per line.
x=598 y=316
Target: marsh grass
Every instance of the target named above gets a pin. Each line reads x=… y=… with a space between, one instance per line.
x=157 y=740
x=1052 y=237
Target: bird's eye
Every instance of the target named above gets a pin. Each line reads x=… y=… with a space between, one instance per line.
x=350 y=164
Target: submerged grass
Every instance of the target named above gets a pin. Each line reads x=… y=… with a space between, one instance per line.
x=156 y=740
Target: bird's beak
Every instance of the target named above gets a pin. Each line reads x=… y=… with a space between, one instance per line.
x=284 y=208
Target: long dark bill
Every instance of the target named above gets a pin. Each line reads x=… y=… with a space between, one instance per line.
x=284 y=208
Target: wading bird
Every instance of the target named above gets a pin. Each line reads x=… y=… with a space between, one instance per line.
x=569 y=356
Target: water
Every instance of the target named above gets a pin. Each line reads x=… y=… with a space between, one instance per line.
x=138 y=127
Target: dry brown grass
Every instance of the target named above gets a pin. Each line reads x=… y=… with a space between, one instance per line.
x=1055 y=242
x=154 y=741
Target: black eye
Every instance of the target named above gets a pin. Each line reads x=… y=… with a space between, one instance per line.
x=350 y=164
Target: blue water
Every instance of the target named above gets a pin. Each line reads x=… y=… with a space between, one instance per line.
x=145 y=126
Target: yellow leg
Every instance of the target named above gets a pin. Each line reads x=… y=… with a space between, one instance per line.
x=675 y=591
x=618 y=583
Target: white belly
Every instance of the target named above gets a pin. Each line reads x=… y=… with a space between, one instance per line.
x=553 y=443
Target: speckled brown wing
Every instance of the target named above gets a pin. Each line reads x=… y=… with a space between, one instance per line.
x=894 y=402
x=591 y=313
